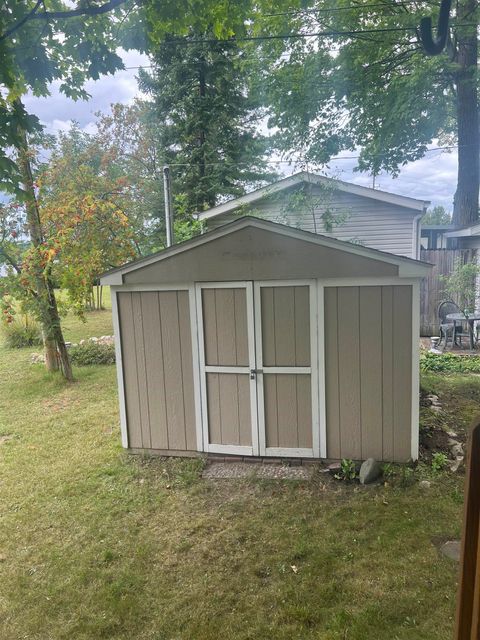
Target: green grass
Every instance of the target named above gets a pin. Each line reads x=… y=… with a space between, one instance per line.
x=96 y=544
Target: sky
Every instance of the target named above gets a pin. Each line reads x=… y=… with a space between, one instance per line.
x=431 y=178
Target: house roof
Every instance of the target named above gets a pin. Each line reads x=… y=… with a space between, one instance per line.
x=312 y=178
x=472 y=230
x=407 y=266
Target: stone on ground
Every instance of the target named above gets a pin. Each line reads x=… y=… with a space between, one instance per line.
x=451 y=549
x=225 y=470
x=370 y=470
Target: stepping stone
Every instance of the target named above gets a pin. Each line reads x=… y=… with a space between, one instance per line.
x=228 y=470
x=451 y=549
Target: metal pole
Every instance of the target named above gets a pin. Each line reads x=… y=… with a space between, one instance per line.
x=167 y=190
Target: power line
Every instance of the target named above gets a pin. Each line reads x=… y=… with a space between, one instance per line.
x=359 y=7
x=293 y=36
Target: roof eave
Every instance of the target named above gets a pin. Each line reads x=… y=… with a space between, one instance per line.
x=375 y=194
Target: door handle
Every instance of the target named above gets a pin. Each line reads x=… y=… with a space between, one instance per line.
x=253 y=373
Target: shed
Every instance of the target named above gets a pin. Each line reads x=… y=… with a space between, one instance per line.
x=258 y=339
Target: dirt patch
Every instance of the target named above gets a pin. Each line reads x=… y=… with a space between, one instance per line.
x=434 y=439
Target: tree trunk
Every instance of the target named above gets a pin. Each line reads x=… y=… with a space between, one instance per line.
x=55 y=350
x=466 y=200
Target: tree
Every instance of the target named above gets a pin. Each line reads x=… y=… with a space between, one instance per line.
x=85 y=208
x=35 y=51
x=368 y=84
x=437 y=215
x=209 y=123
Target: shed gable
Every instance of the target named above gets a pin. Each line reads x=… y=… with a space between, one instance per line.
x=253 y=253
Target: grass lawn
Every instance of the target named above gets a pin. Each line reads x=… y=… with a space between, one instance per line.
x=96 y=544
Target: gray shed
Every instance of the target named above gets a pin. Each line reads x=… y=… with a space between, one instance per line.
x=257 y=339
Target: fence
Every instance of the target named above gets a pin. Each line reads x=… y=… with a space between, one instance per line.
x=468 y=604
x=432 y=287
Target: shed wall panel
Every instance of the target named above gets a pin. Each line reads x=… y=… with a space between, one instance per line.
x=370 y=333
x=288 y=410
x=368 y=337
x=332 y=387
x=158 y=369
x=225 y=326
x=228 y=398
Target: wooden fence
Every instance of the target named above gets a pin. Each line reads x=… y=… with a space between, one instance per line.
x=432 y=287
x=468 y=604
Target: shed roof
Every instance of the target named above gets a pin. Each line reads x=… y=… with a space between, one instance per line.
x=312 y=178
x=407 y=267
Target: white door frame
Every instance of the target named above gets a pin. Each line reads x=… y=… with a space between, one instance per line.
x=204 y=369
x=313 y=370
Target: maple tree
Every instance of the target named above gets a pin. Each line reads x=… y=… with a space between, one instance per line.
x=84 y=212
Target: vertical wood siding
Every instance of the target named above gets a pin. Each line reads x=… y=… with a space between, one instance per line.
x=158 y=369
x=285 y=313
x=226 y=345
x=285 y=326
x=288 y=410
x=225 y=327
x=228 y=398
x=368 y=363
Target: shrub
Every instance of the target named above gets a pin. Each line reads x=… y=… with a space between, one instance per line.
x=449 y=363
x=348 y=470
x=439 y=462
x=92 y=353
x=22 y=333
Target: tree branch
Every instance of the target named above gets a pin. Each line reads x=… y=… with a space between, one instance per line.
x=11 y=261
x=61 y=15
x=21 y=22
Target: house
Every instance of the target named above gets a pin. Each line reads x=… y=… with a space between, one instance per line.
x=259 y=339
x=374 y=218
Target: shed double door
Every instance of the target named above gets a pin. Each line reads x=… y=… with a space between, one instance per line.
x=258 y=368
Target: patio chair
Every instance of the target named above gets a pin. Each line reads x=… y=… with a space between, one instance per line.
x=448 y=328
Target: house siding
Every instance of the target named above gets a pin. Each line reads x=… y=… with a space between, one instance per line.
x=379 y=225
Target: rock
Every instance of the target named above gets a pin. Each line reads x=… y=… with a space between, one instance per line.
x=370 y=470
x=456 y=464
x=425 y=484
x=451 y=549
x=457 y=450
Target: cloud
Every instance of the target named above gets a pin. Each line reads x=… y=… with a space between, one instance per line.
x=432 y=178
x=56 y=111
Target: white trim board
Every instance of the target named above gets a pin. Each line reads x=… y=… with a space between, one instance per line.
x=415 y=421
x=119 y=368
x=312 y=178
x=407 y=266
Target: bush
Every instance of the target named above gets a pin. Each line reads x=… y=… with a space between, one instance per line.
x=92 y=353
x=449 y=363
x=22 y=333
